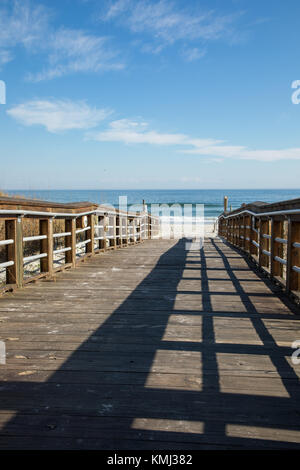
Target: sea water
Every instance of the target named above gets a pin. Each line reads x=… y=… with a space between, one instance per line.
x=212 y=199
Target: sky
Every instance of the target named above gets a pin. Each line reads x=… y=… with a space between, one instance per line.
x=133 y=94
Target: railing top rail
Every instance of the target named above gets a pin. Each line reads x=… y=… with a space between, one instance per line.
x=262 y=209
x=15 y=206
x=99 y=211
x=259 y=214
x=25 y=204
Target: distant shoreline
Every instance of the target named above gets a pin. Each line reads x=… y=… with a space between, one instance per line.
x=211 y=198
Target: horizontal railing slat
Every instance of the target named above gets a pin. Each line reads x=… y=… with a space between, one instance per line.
x=6 y=242
x=62 y=234
x=32 y=258
x=271 y=238
x=6 y=264
x=99 y=228
x=34 y=238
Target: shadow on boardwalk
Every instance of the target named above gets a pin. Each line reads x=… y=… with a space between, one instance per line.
x=147 y=380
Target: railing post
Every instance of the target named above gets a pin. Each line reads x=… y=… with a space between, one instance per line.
x=289 y=256
x=248 y=234
x=115 y=231
x=133 y=230
x=14 y=231
x=228 y=229
x=126 y=230
x=46 y=245
x=244 y=246
x=231 y=230
x=90 y=234
x=263 y=259
x=141 y=229
x=276 y=247
x=254 y=249
x=149 y=227
x=242 y=232
x=225 y=203
x=129 y=233
x=105 y=229
x=239 y=231
x=119 y=230
x=272 y=247
x=70 y=226
x=234 y=230
x=138 y=230
x=100 y=221
x=293 y=258
x=121 y=223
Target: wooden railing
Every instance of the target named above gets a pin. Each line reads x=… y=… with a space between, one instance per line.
x=64 y=235
x=270 y=234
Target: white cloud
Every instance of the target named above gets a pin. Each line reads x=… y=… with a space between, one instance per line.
x=76 y=51
x=63 y=115
x=244 y=153
x=59 y=115
x=137 y=132
x=23 y=23
x=165 y=22
x=134 y=132
x=115 y=8
x=5 y=57
x=191 y=54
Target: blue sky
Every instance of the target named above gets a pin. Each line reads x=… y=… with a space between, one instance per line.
x=149 y=94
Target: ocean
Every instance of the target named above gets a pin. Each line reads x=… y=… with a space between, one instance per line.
x=211 y=198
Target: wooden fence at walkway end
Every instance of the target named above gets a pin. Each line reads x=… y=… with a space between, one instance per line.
x=270 y=235
x=51 y=237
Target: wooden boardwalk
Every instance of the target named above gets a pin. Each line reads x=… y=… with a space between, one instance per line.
x=150 y=347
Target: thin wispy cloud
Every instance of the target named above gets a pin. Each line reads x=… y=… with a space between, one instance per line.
x=138 y=132
x=73 y=51
x=5 y=57
x=244 y=153
x=58 y=115
x=192 y=54
x=22 y=22
x=168 y=22
x=62 y=50
x=63 y=115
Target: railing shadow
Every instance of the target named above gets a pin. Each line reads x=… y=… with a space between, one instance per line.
x=140 y=382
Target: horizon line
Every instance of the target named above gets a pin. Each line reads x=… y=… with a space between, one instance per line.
x=153 y=189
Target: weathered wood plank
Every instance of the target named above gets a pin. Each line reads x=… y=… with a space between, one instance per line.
x=150 y=347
